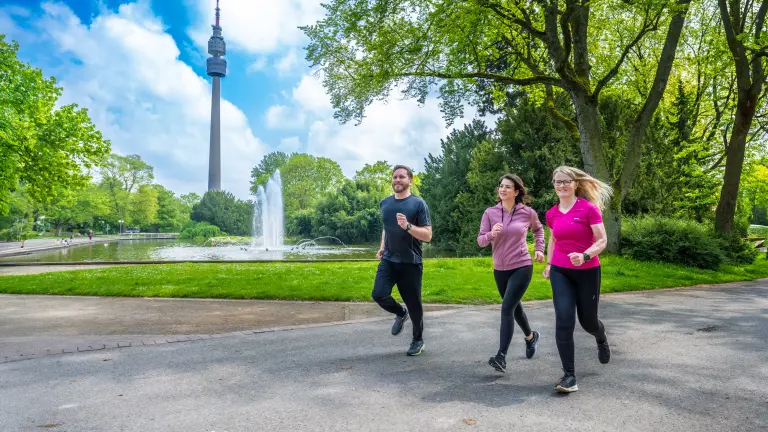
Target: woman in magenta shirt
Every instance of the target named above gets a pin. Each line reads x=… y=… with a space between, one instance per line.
x=504 y=227
x=573 y=268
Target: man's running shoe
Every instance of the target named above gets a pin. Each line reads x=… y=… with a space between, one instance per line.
x=416 y=347
x=499 y=363
x=603 y=352
x=397 y=326
x=567 y=384
x=530 y=345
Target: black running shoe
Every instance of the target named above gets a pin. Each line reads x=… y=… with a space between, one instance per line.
x=530 y=345
x=397 y=326
x=603 y=352
x=416 y=347
x=499 y=363
x=567 y=384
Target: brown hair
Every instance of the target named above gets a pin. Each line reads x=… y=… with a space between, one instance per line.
x=408 y=170
x=522 y=195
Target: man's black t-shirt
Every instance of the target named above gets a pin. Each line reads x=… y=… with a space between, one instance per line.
x=399 y=245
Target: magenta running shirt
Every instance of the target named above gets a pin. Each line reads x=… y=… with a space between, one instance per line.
x=573 y=232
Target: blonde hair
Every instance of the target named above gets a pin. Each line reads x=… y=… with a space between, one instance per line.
x=587 y=187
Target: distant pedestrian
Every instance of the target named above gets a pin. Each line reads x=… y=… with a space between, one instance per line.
x=90 y=235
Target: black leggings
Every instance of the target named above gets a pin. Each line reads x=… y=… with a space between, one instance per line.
x=512 y=285
x=575 y=293
x=407 y=277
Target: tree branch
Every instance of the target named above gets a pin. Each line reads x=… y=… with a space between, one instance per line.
x=743 y=19
x=736 y=47
x=502 y=12
x=565 y=29
x=760 y=19
x=647 y=28
x=758 y=74
x=485 y=75
x=573 y=129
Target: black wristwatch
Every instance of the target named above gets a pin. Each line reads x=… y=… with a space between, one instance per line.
x=408 y=227
x=586 y=257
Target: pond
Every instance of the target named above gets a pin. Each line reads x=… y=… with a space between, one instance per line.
x=179 y=250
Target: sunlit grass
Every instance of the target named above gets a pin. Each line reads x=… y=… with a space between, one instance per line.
x=446 y=280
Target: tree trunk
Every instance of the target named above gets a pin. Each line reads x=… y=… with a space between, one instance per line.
x=634 y=149
x=594 y=161
x=750 y=78
x=590 y=137
x=734 y=162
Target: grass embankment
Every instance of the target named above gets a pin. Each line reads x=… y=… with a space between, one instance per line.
x=468 y=280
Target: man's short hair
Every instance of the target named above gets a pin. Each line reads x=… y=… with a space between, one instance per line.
x=408 y=170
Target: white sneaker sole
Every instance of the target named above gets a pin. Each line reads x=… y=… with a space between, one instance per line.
x=572 y=389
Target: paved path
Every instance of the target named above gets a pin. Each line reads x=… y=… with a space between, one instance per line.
x=6 y=270
x=32 y=326
x=683 y=360
x=10 y=249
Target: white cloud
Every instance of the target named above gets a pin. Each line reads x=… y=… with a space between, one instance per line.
x=290 y=145
x=148 y=102
x=286 y=64
x=310 y=95
x=399 y=131
x=8 y=17
x=256 y=26
x=258 y=65
x=283 y=117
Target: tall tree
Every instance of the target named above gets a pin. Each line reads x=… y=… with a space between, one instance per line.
x=120 y=175
x=224 y=210
x=307 y=179
x=479 y=48
x=270 y=163
x=445 y=177
x=743 y=24
x=377 y=176
x=44 y=146
x=143 y=206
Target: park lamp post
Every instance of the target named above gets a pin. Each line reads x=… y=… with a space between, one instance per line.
x=121 y=226
x=41 y=224
x=104 y=227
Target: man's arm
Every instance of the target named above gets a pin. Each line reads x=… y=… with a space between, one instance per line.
x=380 y=253
x=421 y=233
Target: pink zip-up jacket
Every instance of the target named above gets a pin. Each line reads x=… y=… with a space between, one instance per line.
x=510 y=250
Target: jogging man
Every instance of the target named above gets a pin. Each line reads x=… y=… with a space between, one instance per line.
x=406 y=224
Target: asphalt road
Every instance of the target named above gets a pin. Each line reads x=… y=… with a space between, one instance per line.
x=683 y=360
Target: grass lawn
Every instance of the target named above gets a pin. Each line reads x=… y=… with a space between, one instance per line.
x=446 y=280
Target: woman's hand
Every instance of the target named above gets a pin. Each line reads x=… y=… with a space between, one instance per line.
x=577 y=259
x=496 y=230
x=538 y=256
x=545 y=273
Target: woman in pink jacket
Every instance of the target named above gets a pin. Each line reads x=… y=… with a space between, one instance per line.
x=504 y=227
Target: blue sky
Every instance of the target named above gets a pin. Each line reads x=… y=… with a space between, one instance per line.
x=139 y=68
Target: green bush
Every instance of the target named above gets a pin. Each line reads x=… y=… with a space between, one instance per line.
x=674 y=241
x=9 y=234
x=737 y=250
x=758 y=230
x=200 y=230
